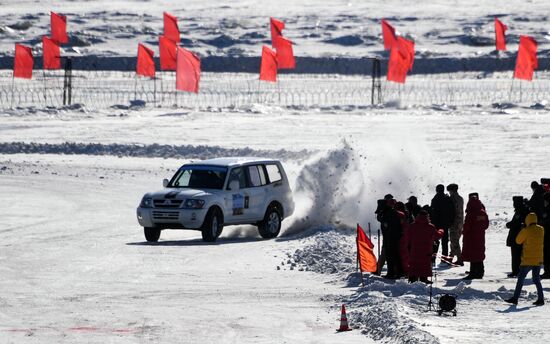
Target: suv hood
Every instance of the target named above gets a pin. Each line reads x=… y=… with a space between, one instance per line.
x=180 y=193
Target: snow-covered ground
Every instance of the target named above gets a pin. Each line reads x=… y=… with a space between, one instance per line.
x=76 y=268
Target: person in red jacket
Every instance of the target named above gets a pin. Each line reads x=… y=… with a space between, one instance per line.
x=421 y=236
x=473 y=237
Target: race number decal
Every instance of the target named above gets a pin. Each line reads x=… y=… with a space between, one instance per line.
x=238 y=204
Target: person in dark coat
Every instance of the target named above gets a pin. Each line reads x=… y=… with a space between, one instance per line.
x=403 y=243
x=515 y=226
x=391 y=233
x=473 y=237
x=545 y=222
x=413 y=208
x=536 y=202
x=442 y=216
x=422 y=234
x=455 y=231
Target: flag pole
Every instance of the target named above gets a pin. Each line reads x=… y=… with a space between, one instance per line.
x=359 y=257
x=155 y=90
x=135 y=87
x=12 y=90
x=45 y=88
x=379 y=244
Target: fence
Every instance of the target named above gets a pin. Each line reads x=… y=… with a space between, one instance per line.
x=101 y=89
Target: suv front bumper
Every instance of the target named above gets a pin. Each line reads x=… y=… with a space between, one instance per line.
x=171 y=218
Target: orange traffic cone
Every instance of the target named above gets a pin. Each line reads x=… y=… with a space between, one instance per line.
x=343 y=321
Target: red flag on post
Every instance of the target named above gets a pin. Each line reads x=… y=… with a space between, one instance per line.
x=58 y=24
x=398 y=65
x=51 y=56
x=500 y=35
x=388 y=33
x=167 y=50
x=171 y=30
x=365 y=254
x=23 y=62
x=526 y=62
x=268 y=66
x=284 y=54
x=277 y=27
x=407 y=47
x=188 y=72
x=145 y=61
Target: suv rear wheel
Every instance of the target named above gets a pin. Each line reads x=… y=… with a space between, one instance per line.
x=151 y=234
x=212 y=226
x=270 y=226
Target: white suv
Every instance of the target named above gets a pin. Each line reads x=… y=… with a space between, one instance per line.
x=209 y=194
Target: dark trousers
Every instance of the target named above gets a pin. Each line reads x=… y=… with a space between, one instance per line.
x=547 y=256
x=477 y=269
x=394 y=261
x=523 y=270
x=516 y=258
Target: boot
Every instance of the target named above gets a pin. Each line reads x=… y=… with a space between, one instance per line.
x=512 y=300
x=539 y=302
x=545 y=275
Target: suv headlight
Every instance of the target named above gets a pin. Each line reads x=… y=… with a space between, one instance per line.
x=193 y=204
x=146 y=202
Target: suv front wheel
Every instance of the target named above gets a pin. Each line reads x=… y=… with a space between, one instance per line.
x=151 y=234
x=212 y=226
x=270 y=226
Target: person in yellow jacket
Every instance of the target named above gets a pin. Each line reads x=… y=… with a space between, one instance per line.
x=532 y=239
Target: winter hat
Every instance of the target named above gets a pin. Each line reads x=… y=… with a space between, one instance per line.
x=452 y=187
x=388 y=197
x=440 y=188
x=534 y=184
x=474 y=195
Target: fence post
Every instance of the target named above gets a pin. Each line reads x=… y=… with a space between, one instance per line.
x=67 y=82
x=376 y=83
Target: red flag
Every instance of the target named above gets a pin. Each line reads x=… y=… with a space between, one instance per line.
x=285 y=55
x=526 y=62
x=145 y=61
x=277 y=27
x=23 y=62
x=58 y=24
x=398 y=66
x=171 y=30
x=388 y=32
x=188 y=72
x=167 y=49
x=268 y=66
x=500 y=34
x=407 y=47
x=51 y=56
x=365 y=254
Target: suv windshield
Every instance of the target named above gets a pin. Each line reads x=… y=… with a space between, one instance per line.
x=199 y=177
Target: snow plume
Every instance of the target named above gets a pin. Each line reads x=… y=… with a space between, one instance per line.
x=327 y=190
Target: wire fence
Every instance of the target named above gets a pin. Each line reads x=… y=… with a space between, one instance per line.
x=102 y=89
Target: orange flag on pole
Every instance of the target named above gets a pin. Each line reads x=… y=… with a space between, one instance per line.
x=277 y=27
x=500 y=35
x=268 y=65
x=285 y=55
x=388 y=32
x=527 y=61
x=365 y=254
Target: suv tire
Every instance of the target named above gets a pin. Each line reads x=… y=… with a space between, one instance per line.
x=270 y=226
x=212 y=226
x=151 y=234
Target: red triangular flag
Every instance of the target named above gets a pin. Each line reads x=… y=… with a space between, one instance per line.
x=388 y=33
x=23 y=62
x=500 y=35
x=285 y=55
x=526 y=62
x=171 y=30
x=365 y=254
x=167 y=50
x=268 y=65
x=51 y=56
x=277 y=27
x=188 y=73
x=145 y=61
x=58 y=24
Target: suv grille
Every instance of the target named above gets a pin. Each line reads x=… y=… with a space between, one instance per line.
x=167 y=203
x=165 y=215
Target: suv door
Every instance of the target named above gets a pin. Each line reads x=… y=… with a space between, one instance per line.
x=257 y=192
x=235 y=201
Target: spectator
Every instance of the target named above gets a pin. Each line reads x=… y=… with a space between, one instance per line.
x=546 y=224
x=532 y=238
x=420 y=240
x=413 y=208
x=455 y=231
x=442 y=216
x=515 y=226
x=536 y=202
x=475 y=224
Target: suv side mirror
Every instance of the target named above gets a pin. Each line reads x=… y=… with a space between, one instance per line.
x=165 y=182
x=234 y=185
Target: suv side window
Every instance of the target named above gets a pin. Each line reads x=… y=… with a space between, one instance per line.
x=254 y=175
x=273 y=173
x=238 y=174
